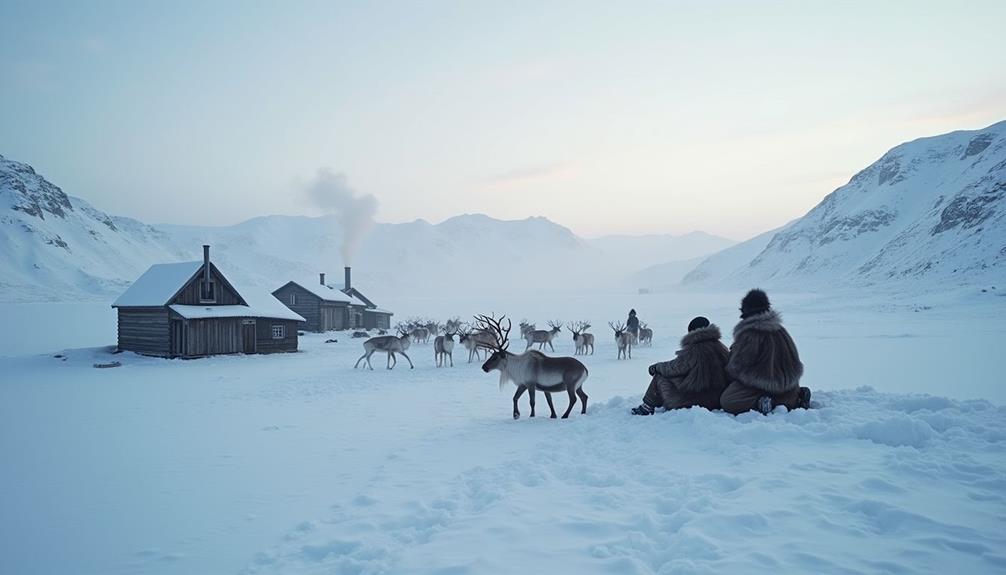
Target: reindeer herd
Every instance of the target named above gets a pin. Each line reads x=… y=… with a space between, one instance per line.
x=529 y=371
x=478 y=338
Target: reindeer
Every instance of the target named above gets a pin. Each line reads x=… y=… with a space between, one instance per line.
x=474 y=341
x=533 y=370
x=581 y=339
x=623 y=339
x=391 y=344
x=419 y=332
x=526 y=327
x=645 y=335
x=543 y=336
x=443 y=345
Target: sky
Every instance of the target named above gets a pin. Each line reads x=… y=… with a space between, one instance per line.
x=608 y=117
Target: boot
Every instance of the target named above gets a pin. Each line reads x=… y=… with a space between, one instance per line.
x=643 y=409
x=803 y=399
x=764 y=405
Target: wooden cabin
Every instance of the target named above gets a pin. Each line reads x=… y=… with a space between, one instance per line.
x=189 y=309
x=326 y=307
x=323 y=307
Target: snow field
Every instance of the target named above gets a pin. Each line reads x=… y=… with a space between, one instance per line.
x=297 y=463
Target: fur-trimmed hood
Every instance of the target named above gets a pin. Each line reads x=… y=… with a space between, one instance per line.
x=765 y=321
x=702 y=334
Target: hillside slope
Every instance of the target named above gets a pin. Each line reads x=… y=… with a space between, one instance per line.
x=929 y=212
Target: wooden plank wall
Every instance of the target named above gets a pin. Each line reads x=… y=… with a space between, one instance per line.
x=307 y=305
x=144 y=330
x=266 y=344
x=212 y=336
x=190 y=295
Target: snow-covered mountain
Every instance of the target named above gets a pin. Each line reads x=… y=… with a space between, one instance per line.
x=57 y=247
x=930 y=212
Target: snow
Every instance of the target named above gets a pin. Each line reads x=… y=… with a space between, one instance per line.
x=158 y=284
x=203 y=312
x=296 y=463
x=929 y=214
x=326 y=292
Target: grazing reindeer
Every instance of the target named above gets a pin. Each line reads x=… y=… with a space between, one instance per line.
x=645 y=335
x=533 y=370
x=474 y=342
x=419 y=333
x=391 y=344
x=623 y=339
x=581 y=339
x=543 y=336
x=526 y=327
x=443 y=345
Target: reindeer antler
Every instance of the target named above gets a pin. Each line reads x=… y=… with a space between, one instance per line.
x=618 y=328
x=491 y=325
x=554 y=324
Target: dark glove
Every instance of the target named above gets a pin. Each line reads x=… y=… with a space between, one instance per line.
x=653 y=369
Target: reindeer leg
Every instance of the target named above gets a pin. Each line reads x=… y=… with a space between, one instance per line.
x=357 y=364
x=530 y=393
x=551 y=347
x=583 y=399
x=408 y=358
x=548 y=398
x=451 y=355
x=520 y=391
x=572 y=401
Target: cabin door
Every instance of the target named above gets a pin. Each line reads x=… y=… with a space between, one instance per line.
x=177 y=337
x=248 y=336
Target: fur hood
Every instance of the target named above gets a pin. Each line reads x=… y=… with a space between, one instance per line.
x=702 y=334
x=764 y=355
x=765 y=321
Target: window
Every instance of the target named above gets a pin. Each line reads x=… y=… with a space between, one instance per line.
x=278 y=331
x=293 y=299
x=207 y=292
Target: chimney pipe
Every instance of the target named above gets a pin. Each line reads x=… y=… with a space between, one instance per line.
x=321 y=278
x=206 y=262
x=349 y=278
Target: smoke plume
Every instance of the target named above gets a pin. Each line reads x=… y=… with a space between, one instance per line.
x=330 y=192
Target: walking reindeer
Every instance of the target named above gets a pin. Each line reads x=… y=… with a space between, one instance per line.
x=623 y=339
x=645 y=335
x=443 y=345
x=526 y=327
x=543 y=336
x=391 y=344
x=581 y=339
x=532 y=370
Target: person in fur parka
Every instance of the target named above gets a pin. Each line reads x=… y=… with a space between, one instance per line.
x=695 y=377
x=764 y=366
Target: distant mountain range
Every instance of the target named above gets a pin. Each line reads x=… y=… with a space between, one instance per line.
x=57 y=247
x=929 y=213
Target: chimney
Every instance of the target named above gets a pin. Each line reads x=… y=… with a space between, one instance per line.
x=321 y=278
x=206 y=262
x=349 y=278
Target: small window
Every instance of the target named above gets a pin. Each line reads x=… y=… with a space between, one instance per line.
x=293 y=299
x=207 y=292
x=278 y=331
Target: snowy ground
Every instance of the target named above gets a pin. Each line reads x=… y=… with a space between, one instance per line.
x=298 y=464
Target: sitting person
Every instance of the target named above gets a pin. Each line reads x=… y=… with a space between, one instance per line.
x=764 y=366
x=694 y=378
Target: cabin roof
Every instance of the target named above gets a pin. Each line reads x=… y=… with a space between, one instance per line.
x=378 y=310
x=358 y=296
x=327 y=293
x=279 y=311
x=158 y=284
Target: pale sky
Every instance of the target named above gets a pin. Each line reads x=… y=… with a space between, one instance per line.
x=608 y=117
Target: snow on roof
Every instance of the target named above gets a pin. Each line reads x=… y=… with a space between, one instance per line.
x=325 y=292
x=213 y=311
x=156 y=286
x=379 y=310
